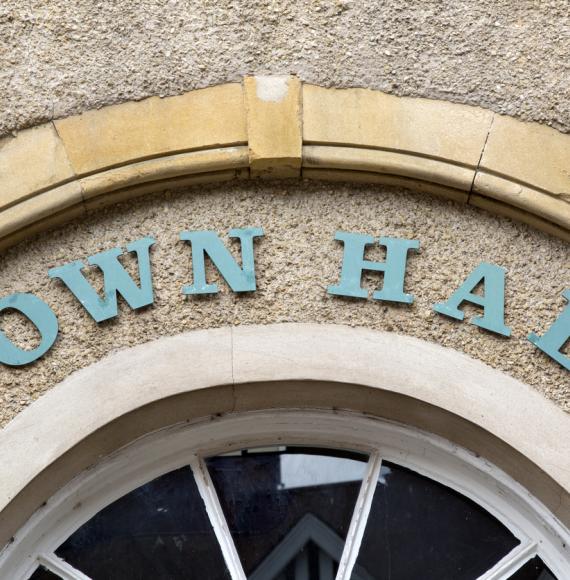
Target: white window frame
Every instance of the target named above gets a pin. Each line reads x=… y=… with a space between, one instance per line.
x=539 y=532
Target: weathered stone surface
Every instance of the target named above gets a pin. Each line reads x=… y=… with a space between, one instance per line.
x=408 y=184
x=390 y=166
x=373 y=119
x=281 y=126
x=274 y=125
x=494 y=206
x=527 y=201
x=530 y=153
x=207 y=118
x=527 y=166
x=34 y=160
x=49 y=205
x=208 y=161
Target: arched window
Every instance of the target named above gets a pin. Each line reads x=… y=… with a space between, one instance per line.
x=291 y=495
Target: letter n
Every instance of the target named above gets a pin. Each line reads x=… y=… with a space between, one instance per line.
x=206 y=242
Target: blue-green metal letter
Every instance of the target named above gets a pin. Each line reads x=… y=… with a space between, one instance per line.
x=493 y=300
x=116 y=280
x=554 y=339
x=41 y=316
x=206 y=242
x=394 y=268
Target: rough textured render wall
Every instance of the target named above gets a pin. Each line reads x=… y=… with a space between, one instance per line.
x=295 y=262
x=61 y=57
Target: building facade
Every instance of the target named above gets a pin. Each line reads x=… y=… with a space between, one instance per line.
x=290 y=302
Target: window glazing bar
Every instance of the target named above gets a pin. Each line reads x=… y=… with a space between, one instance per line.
x=513 y=561
x=359 y=518
x=217 y=518
x=61 y=567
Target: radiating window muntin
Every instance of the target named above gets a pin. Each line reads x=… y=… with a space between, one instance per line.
x=288 y=510
x=321 y=434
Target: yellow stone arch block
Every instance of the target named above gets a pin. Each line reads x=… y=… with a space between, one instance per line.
x=277 y=127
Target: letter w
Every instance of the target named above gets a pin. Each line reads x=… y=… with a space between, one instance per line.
x=116 y=280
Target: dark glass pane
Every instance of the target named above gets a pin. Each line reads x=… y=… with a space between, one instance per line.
x=421 y=529
x=534 y=569
x=159 y=531
x=289 y=510
x=42 y=574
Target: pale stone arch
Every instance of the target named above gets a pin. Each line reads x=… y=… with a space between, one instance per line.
x=278 y=127
x=285 y=366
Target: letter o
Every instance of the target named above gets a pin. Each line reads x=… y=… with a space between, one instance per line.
x=41 y=316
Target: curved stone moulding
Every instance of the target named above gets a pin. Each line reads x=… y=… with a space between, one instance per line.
x=278 y=127
x=283 y=366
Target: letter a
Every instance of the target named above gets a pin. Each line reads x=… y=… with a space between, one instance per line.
x=116 y=280
x=493 y=301
x=394 y=268
x=554 y=339
x=239 y=279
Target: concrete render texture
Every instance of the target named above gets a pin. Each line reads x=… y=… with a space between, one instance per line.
x=62 y=58
x=295 y=262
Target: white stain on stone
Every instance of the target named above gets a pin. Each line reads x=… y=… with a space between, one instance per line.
x=271 y=88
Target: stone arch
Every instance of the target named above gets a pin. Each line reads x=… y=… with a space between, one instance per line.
x=303 y=366
x=279 y=127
